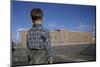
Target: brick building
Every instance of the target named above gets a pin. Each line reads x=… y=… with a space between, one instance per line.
x=64 y=37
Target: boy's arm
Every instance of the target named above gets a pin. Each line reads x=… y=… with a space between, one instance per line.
x=48 y=46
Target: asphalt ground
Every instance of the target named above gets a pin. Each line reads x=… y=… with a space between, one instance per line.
x=61 y=54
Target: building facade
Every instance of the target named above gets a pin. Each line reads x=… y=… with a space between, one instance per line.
x=64 y=37
x=23 y=39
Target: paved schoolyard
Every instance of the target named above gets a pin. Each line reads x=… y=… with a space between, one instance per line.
x=62 y=54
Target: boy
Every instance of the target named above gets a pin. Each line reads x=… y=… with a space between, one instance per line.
x=38 y=40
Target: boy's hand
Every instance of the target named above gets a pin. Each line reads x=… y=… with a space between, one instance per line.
x=50 y=60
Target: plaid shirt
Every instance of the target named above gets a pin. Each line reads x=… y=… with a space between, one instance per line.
x=38 y=38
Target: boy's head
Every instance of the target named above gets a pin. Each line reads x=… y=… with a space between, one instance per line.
x=37 y=15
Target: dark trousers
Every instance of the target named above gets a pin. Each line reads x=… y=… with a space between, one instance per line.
x=37 y=56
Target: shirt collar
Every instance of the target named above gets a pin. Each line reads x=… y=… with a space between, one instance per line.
x=37 y=25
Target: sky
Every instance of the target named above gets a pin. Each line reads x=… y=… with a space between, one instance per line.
x=56 y=16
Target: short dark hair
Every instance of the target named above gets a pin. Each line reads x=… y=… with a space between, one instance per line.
x=36 y=14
